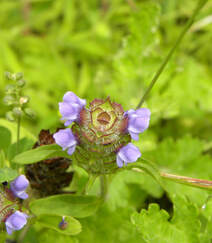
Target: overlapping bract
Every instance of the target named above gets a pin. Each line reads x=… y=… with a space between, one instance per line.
x=102 y=128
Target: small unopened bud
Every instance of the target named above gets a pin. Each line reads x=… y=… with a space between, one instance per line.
x=7 y=75
x=9 y=100
x=13 y=76
x=63 y=224
x=29 y=112
x=21 y=83
x=17 y=111
x=18 y=76
x=24 y=100
x=10 y=116
x=10 y=89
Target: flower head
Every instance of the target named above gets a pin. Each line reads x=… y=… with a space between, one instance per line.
x=127 y=154
x=138 y=121
x=71 y=107
x=66 y=139
x=19 y=185
x=15 y=221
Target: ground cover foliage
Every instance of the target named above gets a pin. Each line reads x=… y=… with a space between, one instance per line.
x=113 y=48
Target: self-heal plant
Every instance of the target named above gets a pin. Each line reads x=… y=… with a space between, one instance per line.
x=101 y=134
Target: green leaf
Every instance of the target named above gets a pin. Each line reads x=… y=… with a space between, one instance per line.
x=40 y=153
x=5 y=140
x=156 y=226
x=24 y=145
x=52 y=222
x=66 y=205
x=7 y=174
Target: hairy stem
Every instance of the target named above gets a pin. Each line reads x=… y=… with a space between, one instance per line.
x=188 y=180
x=18 y=134
x=200 y=5
x=103 y=186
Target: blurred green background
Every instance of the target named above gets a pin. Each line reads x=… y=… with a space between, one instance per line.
x=97 y=48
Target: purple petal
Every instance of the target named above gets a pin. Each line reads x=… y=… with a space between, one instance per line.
x=70 y=107
x=138 y=121
x=15 y=221
x=70 y=97
x=128 y=154
x=71 y=149
x=143 y=112
x=134 y=135
x=19 y=185
x=119 y=161
x=69 y=111
x=65 y=138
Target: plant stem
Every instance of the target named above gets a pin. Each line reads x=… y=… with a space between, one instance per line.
x=188 y=180
x=89 y=184
x=103 y=186
x=18 y=134
x=200 y=5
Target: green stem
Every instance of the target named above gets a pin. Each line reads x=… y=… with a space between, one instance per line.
x=18 y=134
x=89 y=184
x=200 y=5
x=103 y=186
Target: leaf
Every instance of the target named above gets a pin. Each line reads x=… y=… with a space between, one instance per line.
x=5 y=140
x=24 y=145
x=66 y=205
x=7 y=174
x=12 y=127
x=52 y=222
x=40 y=153
x=156 y=226
x=183 y=157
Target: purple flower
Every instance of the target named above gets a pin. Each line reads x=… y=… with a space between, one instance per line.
x=15 y=221
x=71 y=107
x=138 y=121
x=19 y=185
x=65 y=139
x=127 y=154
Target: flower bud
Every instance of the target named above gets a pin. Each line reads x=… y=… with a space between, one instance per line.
x=21 y=83
x=10 y=89
x=30 y=113
x=8 y=75
x=17 y=112
x=10 y=116
x=9 y=100
x=18 y=76
x=101 y=131
x=24 y=100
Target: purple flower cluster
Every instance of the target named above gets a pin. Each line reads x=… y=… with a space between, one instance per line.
x=70 y=108
x=17 y=220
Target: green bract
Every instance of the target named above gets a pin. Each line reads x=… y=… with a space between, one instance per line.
x=100 y=132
